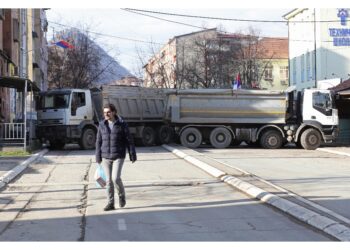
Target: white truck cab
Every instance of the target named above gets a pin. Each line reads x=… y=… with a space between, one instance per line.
x=319 y=106
x=66 y=115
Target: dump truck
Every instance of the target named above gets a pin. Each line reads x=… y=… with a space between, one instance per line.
x=222 y=117
x=72 y=115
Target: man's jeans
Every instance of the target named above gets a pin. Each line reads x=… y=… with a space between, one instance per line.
x=113 y=172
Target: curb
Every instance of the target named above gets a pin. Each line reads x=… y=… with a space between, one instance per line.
x=330 y=227
x=333 y=151
x=10 y=175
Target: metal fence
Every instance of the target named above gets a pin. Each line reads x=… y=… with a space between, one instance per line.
x=13 y=134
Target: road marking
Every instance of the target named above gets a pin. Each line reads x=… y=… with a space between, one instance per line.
x=121 y=225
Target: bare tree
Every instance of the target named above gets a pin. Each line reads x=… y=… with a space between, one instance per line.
x=160 y=70
x=77 y=67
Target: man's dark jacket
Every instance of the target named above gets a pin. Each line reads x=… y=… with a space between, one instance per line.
x=112 y=144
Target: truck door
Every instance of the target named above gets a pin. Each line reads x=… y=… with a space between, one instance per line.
x=321 y=108
x=79 y=110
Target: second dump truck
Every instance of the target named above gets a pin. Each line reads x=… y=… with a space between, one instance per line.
x=220 y=117
x=223 y=117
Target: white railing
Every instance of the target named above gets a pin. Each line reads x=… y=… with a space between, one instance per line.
x=13 y=133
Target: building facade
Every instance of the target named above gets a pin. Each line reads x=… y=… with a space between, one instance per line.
x=211 y=59
x=319 y=45
x=274 y=70
x=23 y=53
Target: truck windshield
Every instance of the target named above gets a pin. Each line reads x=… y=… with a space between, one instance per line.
x=54 y=101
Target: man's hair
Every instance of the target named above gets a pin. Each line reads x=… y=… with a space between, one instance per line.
x=110 y=106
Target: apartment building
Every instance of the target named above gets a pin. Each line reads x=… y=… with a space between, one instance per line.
x=23 y=54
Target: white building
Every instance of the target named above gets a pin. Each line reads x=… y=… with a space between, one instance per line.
x=319 y=45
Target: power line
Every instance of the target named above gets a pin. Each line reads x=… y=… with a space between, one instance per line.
x=225 y=19
x=107 y=35
x=162 y=19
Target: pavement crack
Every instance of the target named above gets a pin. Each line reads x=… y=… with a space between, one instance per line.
x=83 y=205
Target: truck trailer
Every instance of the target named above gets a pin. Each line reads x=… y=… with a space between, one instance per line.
x=220 y=117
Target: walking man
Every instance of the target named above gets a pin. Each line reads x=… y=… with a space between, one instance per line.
x=113 y=138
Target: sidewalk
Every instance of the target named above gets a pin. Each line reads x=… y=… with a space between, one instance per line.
x=12 y=166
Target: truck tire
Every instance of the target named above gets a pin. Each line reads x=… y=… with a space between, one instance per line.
x=271 y=139
x=88 y=139
x=148 y=136
x=165 y=135
x=310 y=139
x=191 y=138
x=57 y=144
x=220 y=137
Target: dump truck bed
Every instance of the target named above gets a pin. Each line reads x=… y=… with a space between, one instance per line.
x=225 y=106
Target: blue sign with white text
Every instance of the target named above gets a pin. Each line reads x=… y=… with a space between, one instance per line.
x=341 y=36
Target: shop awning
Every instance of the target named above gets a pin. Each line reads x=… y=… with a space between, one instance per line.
x=18 y=83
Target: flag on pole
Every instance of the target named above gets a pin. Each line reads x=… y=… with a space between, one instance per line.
x=64 y=44
x=237 y=83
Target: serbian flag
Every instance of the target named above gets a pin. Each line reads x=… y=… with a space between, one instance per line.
x=64 y=44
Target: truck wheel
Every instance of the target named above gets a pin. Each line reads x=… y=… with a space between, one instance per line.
x=165 y=135
x=310 y=139
x=271 y=139
x=191 y=138
x=220 y=137
x=88 y=139
x=148 y=136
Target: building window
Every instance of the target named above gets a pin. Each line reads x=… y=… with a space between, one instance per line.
x=294 y=71
x=284 y=75
x=308 y=68
x=313 y=67
x=268 y=72
x=302 y=67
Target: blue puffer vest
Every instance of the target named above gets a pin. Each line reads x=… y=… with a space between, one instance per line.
x=112 y=144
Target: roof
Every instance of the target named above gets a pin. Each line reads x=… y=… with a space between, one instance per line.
x=342 y=86
x=196 y=32
x=274 y=47
x=18 y=83
x=293 y=13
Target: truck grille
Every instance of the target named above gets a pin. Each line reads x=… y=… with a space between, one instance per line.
x=51 y=122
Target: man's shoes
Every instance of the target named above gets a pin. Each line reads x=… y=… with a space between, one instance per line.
x=122 y=201
x=109 y=207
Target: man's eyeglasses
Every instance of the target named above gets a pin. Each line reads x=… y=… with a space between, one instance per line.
x=108 y=112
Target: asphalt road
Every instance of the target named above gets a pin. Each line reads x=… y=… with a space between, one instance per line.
x=168 y=199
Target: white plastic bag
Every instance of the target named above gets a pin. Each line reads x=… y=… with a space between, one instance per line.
x=100 y=177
